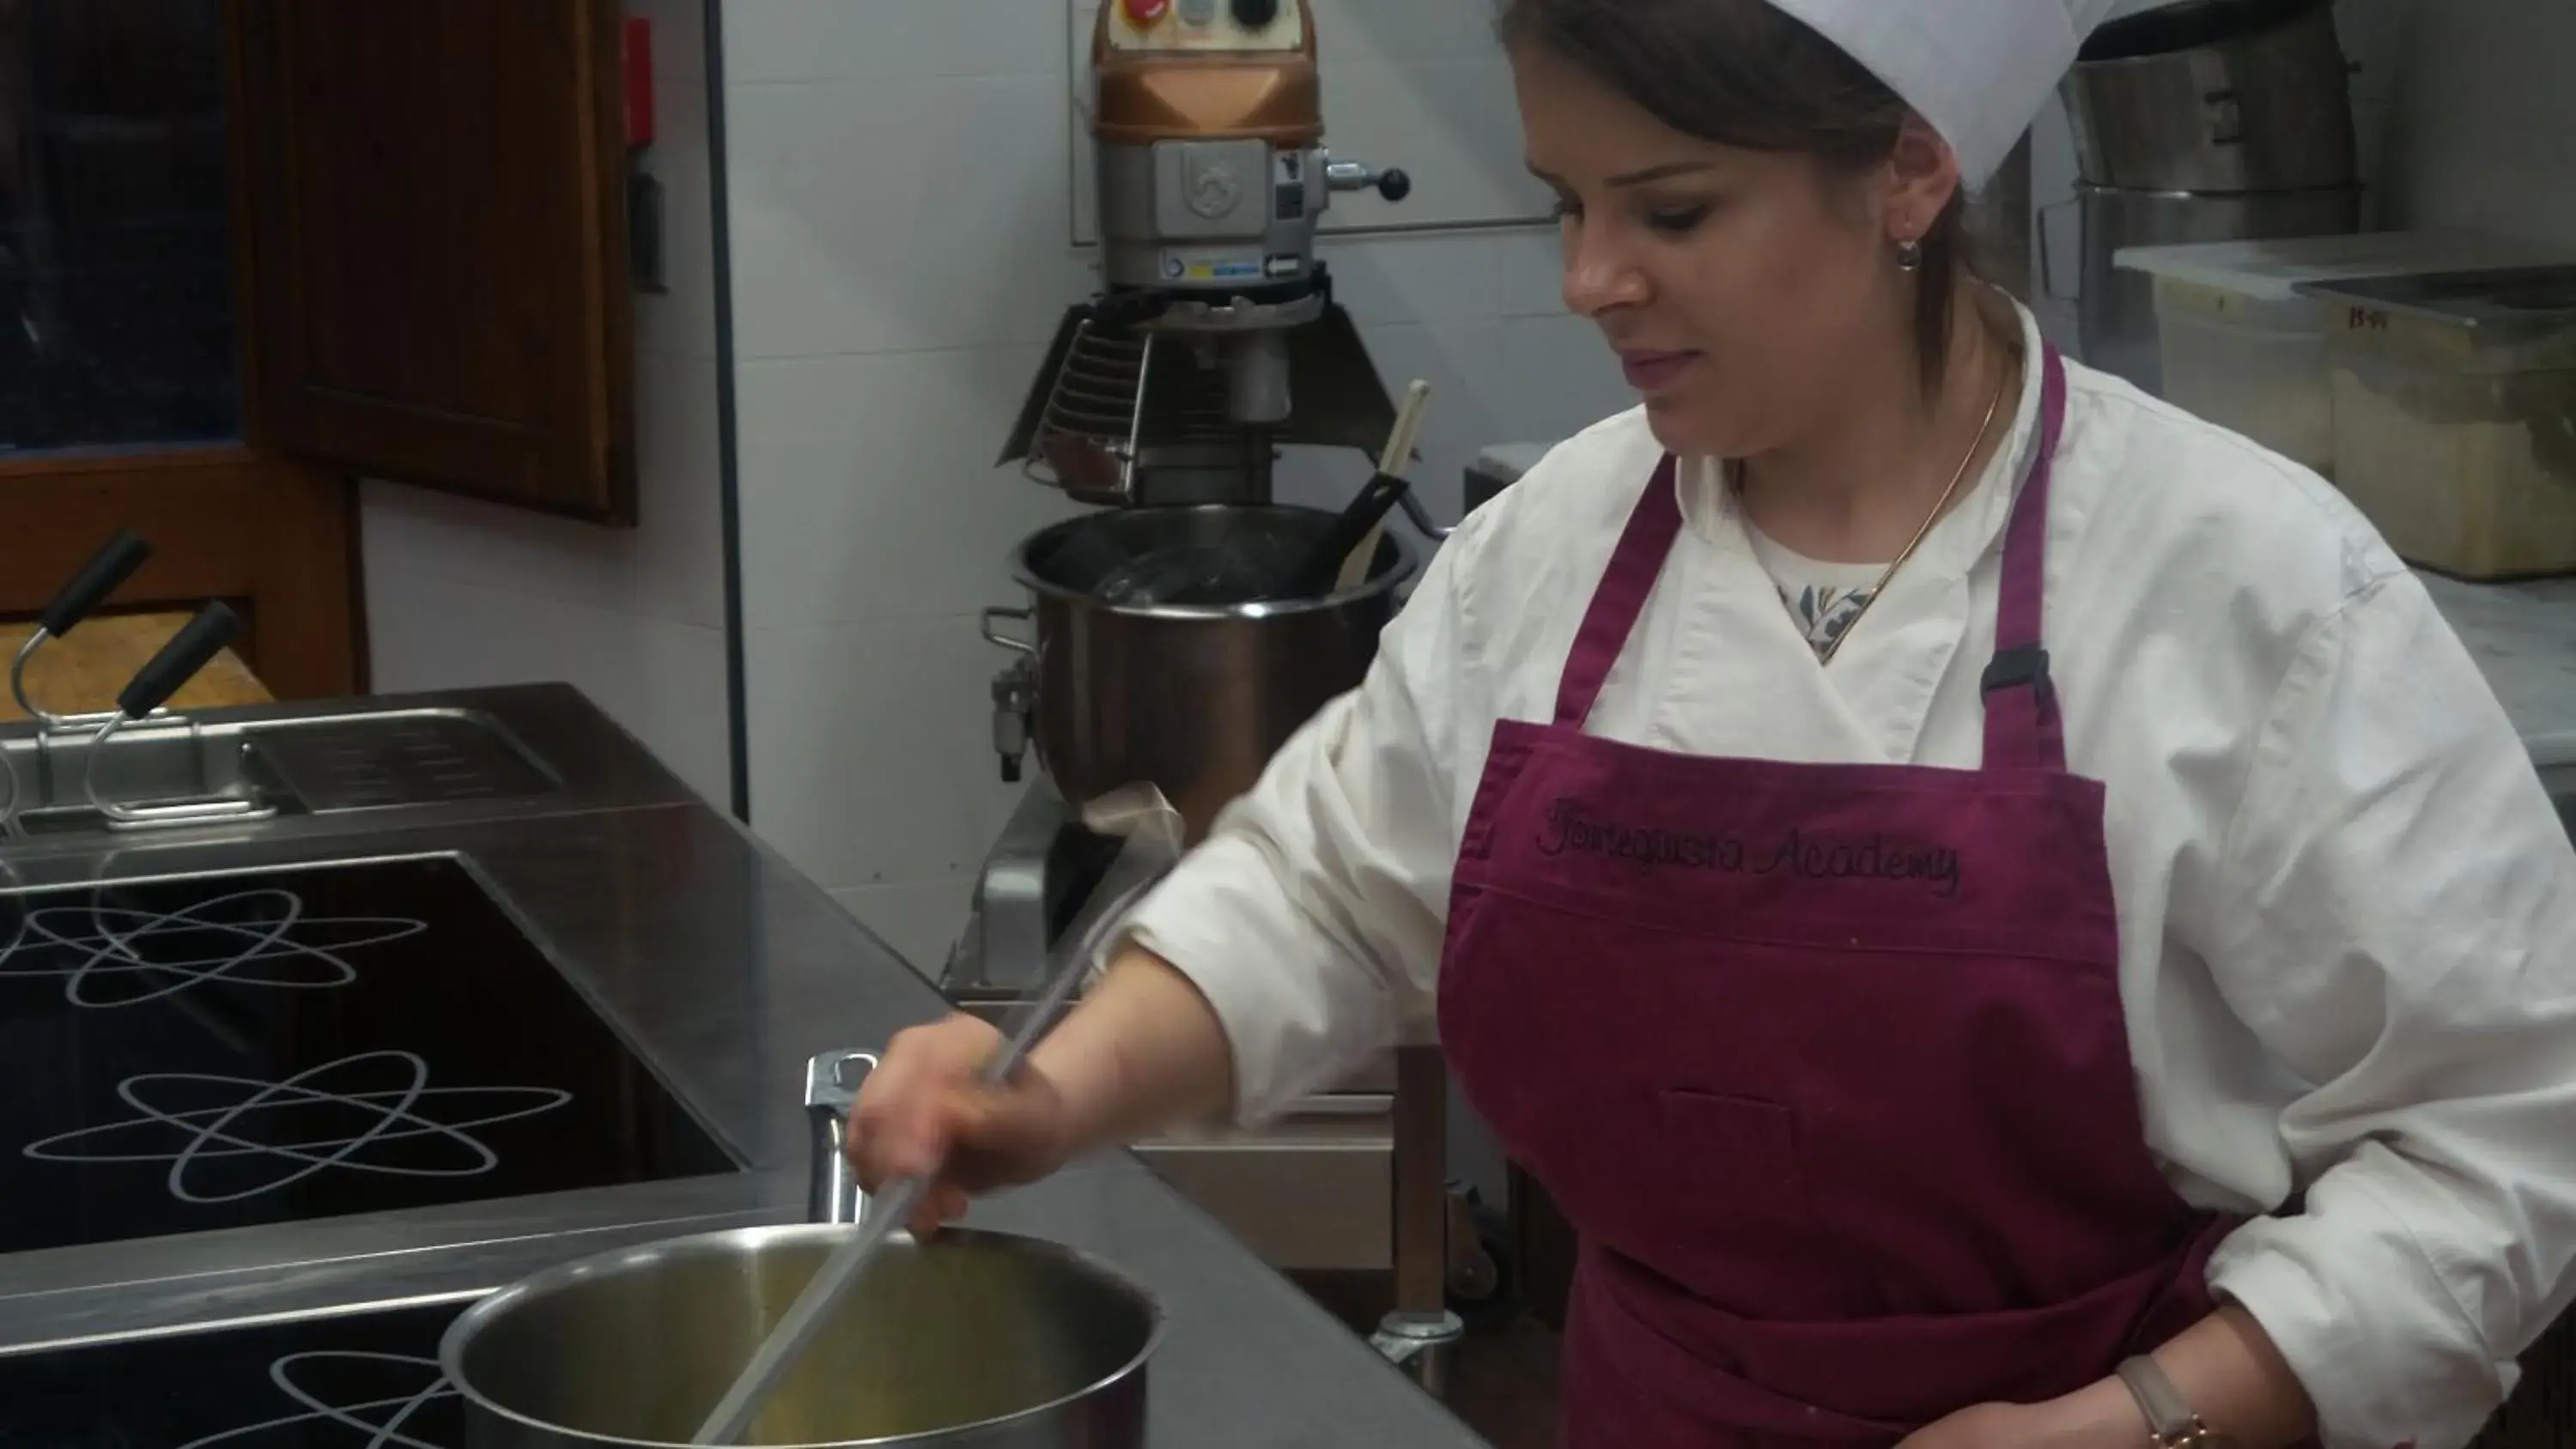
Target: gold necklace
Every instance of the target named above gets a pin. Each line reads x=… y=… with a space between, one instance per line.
x=1940 y=505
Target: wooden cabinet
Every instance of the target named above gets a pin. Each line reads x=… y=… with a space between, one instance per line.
x=254 y=250
x=275 y=538
x=437 y=212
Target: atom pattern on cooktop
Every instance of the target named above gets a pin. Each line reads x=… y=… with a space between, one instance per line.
x=108 y=957
x=367 y=1380
x=230 y=1051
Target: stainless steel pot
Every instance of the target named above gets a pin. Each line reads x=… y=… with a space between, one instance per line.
x=2116 y=309
x=975 y=1339
x=2215 y=96
x=1193 y=698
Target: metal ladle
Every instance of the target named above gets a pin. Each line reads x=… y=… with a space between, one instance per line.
x=1152 y=832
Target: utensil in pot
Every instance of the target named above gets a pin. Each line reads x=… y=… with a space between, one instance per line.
x=1353 y=536
x=973 y=1339
x=1390 y=464
x=1151 y=830
x=1245 y=566
x=1220 y=573
x=1340 y=558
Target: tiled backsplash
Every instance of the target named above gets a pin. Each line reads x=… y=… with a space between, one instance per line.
x=2484 y=127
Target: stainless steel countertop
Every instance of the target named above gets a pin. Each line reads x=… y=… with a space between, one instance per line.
x=2523 y=637
x=725 y=970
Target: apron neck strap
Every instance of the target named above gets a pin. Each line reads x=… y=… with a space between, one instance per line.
x=1621 y=595
x=2023 y=727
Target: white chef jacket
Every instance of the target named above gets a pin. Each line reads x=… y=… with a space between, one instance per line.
x=2347 y=908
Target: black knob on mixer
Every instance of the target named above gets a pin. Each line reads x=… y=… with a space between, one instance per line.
x=1395 y=186
x=1255 y=14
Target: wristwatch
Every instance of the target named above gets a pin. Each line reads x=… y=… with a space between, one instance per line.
x=2171 y=1424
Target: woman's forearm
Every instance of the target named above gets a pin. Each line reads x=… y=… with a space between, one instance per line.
x=2226 y=1368
x=1142 y=1053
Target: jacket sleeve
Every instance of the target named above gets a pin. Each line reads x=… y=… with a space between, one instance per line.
x=1311 y=918
x=2397 y=923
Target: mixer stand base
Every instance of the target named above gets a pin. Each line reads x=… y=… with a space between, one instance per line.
x=1034 y=881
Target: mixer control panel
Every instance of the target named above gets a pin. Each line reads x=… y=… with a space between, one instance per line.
x=1181 y=27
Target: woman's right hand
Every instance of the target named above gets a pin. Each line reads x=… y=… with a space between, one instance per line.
x=1142 y=1051
x=926 y=1111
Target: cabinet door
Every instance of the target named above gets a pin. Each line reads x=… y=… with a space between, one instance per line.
x=128 y=330
x=438 y=232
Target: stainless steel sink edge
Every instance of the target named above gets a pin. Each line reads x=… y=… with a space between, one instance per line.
x=588 y=763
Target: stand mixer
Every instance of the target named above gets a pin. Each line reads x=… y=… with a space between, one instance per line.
x=1163 y=400
x=1216 y=336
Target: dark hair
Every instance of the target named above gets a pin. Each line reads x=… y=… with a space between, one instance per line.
x=1744 y=73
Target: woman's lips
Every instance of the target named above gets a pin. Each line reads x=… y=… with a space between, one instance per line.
x=1655 y=371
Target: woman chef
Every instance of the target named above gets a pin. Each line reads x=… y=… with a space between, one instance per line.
x=2000 y=911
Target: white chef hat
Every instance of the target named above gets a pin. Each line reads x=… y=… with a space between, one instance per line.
x=1977 y=70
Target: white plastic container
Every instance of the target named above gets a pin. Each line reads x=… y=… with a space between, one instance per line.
x=2243 y=348
x=2455 y=416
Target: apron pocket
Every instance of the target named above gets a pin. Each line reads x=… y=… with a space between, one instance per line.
x=1739 y=1225
x=1747 y=1146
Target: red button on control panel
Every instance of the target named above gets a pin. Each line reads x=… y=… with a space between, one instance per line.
x=1141 y=13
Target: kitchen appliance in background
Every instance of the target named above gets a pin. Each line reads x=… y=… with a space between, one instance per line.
x=2455 y=415
x=1192 y=697
x=1215 y=341
x=1163 y=400
x=2205 y=121
x=2243 y=343
x=1216 y=336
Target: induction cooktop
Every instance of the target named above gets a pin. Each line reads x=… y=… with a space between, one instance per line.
x=229 y=1051
x=359 y=1381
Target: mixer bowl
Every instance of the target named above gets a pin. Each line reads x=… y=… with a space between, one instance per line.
x=978 y=1338
x=1193 y=697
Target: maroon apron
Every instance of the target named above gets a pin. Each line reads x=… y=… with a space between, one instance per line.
x=1826 y=1064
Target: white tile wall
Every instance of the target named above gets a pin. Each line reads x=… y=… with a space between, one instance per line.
x=897 y=214
x=876 y=494
x=662 y=680
x=463 y=593
x=917 y=921
x=900 y=204
x=839 y=40
x=2483 y=130
x=869 y=744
